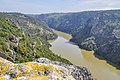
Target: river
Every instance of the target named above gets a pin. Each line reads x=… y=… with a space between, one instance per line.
x=99 y=68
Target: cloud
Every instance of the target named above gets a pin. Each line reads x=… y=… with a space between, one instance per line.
x=45 y=6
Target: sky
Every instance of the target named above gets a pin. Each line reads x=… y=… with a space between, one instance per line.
x=50 y=6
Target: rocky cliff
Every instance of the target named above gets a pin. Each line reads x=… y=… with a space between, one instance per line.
x=42 y=69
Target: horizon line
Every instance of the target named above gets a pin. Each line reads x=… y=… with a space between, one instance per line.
x=61 y=11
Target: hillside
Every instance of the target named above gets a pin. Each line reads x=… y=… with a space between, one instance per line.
x=30 y=25
x=66 y=22
x=91 y=30
x=18 y=46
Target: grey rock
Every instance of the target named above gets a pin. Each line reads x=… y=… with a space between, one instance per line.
x=79 y=73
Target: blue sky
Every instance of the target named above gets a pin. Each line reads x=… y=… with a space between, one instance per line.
x=50 y=6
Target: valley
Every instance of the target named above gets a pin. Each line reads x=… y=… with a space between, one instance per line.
x=26 y=38
x=59 y=40
x=100 y=69
x=91 y=30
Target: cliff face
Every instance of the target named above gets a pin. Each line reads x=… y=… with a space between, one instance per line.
x=91 y=30
x=42 y=69
x=105 y=27
x=67 y=22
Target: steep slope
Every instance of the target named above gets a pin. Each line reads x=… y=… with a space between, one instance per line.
x=102 y=33
x=67 y=22
x=30 y=25
x=91 y=30
x=105 y=27
x=42 y=69
x=19 y=46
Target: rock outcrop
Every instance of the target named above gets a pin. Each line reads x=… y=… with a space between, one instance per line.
x=42 y=69
x=3 y=55
x=79 y=73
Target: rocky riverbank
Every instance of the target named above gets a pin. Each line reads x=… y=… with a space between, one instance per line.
x=42 y=69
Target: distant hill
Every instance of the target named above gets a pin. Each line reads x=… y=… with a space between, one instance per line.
x=91 y=30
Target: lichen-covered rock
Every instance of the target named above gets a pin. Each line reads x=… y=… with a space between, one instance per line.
x=79 y=73
x=42 y=69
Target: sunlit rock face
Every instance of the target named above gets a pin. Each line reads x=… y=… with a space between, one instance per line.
x=42 y=69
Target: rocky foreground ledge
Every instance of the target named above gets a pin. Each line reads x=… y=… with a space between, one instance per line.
x=42 y=69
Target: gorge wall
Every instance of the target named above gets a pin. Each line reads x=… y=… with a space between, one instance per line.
x=91 y=30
